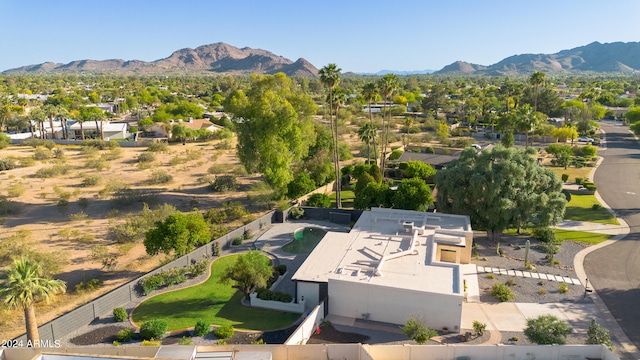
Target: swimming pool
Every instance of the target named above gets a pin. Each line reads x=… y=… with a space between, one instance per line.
x=304 y=240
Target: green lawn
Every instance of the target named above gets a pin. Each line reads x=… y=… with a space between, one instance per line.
x=573 y=172
x=215 y=302
x=581 y=236
x=580 y=209
x=346 y=197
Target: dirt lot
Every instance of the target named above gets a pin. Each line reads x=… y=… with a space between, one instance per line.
x=72 y=230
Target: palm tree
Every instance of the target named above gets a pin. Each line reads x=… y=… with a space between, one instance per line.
x=367 y=134
x=39 y=115
x=370 y=94
x=24 y=287
x=330 y=77
x=388 y=85
x=526 y=120
x=536 y=79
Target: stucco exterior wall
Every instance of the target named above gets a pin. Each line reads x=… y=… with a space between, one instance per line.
x=394 y=305
x=309 y=292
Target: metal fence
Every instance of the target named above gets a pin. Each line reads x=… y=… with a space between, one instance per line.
x=87 y=313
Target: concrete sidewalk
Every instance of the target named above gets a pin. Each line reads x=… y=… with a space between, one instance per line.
x=609 y=229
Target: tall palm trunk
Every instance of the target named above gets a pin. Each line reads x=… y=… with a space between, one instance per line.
x=375 y=149
x=31 y=325
x=336 y=159
x=97 y=130
x=82 y=130
x=53 y=132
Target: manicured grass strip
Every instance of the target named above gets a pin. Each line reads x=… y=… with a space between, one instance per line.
x=212 y=301
x=573 y=172
x=582 y=236
x=346 y=197
x=580 y=209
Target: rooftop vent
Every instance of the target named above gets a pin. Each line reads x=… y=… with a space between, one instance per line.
x=407 y=226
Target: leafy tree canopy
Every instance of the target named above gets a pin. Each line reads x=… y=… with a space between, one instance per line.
x=547 y=330
x=275 y=126
x=500 y=188
x=250 y=271
x=179 y=234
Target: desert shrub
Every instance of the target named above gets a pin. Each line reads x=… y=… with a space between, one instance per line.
x=596 y=207
x=598 y=335
x=579 y=180
x=542 y=292
x=565 y=177
x=90 y=180
x=125 y=335
x=547 y=235
x=501 y=292
x=146 y=157
x=35 y=142
x=319 y=200
x=547 y=330
x=199 y=267
x=153 y=329
x=590 y=187
x=185 y=341
x=158 y=146
x=16 y=189
x=150 y=342
x=510 y=282
x=120 y=314
x=479 y=327
x=563 y=288
x=83 y=202
x=224 y=332
x=81 y=215
x=296 y=212
x=202 y=328
x=100 y=144
x=224 y=183
x=174 y=276
x=237 y=241
x=151 y=283
x=42 y=153
x=417 y=331
x=88 y=286
x=8 y=164
x=160 y=177
x=55 y=170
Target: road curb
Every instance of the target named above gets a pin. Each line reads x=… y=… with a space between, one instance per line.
x=578 y=265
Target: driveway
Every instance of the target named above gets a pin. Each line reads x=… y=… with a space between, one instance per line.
x=614 y=270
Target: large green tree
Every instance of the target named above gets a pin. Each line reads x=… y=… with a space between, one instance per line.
x=275 y=127
x=252 y=270
x=24 y=287
x=500 y=188
x=412 y=194
x=178 y=234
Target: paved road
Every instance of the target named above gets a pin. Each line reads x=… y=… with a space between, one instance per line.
x=614 y=270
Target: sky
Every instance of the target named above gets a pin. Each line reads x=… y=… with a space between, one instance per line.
x=357 y=35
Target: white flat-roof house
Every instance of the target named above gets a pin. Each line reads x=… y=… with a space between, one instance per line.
x=391 y=266
x=110 y=130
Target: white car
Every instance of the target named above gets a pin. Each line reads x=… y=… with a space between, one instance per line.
x=585 y=139
x=476 y=146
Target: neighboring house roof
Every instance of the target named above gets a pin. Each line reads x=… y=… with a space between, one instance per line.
x=197 y=124
x=106 y=126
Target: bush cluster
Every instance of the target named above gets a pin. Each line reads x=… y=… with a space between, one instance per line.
x=8 y=164
x=547 y=235
x=35 y=142
x=319 y=200
x=224 y=183
x=173 y=276
x=88 y=286
x=202 y=328
x=160 y=177
x=55 y=170
x=266 y=294
x=158 y=147
x=100 y=144
x=280 y=269
x=501 y=292
x=153 y=329
x=395 y=154
x=296 y=212
x=125 y=335
x=224 y=332
x=120 y=314
x=146 y=157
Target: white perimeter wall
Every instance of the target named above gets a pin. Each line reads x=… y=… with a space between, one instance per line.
x=394 y=305
x=310 y=292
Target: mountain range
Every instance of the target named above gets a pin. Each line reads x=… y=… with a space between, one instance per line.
x=221 y=58
x=617 y=57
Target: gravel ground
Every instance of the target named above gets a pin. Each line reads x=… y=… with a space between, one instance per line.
x=528 y=290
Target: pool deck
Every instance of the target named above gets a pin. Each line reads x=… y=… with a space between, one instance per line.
x=272 y=240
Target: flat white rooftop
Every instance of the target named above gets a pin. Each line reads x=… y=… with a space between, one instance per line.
x=393 y=248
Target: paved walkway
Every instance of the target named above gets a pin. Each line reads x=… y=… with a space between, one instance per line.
x=527 y=274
